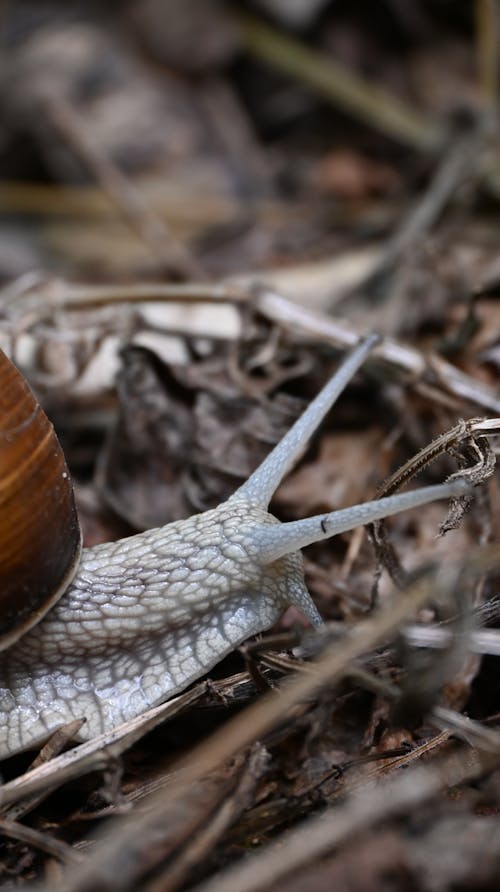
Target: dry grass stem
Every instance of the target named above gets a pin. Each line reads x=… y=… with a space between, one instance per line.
x=342 y=87
x=322 y=834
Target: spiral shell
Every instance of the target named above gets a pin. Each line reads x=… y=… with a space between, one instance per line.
x=40 y=539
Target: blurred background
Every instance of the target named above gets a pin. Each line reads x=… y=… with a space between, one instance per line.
x=203 y=206
x=171 y=169
x=194 y=138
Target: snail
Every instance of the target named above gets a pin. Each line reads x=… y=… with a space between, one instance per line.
x=105 y=632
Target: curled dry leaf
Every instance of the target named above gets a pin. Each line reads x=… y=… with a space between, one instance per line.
x=184 y=439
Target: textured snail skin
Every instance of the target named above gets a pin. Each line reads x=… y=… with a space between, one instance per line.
x=146 y=616
x=143 y=618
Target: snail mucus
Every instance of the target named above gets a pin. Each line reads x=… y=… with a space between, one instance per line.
x=105 y=632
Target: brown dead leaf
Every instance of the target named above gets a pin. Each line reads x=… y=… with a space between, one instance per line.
x=141 y=470
x=185 y=438
x=341 y=475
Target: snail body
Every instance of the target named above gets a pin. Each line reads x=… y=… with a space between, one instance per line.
x=145 y=616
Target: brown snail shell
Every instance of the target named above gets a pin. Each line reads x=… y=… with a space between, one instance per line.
x=40 y=539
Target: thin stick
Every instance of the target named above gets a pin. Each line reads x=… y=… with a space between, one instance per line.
x=291 y=316
x=83 y=296
x=95 y=754
x=483 y=641
x=37 y=840
x=204 y=838
x=461 y=432
x=325 y=329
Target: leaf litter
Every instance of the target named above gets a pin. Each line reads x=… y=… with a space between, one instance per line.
x=198 y=221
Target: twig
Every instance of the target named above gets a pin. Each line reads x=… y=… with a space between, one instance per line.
x=95 y=754
x=457 y=435
x=98 y=753
x=37 y=302
x=58 y=294
x=462 y=436
x=37 y=840
x=416 y=365
x=202 y=842
x=484 y=641
x=49 y=751
x=473 y=733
